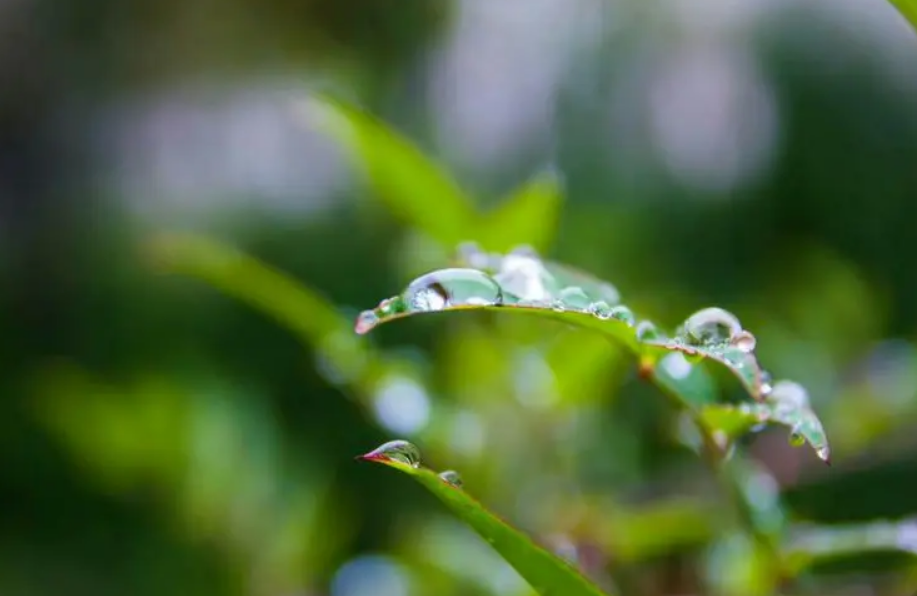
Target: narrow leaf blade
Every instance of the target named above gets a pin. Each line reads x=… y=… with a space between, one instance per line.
x=547 y=573
x=415 y=188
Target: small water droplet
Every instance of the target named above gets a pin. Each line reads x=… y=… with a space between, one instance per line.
x=824 y=453
x=452 y=287
x=574 y=298
x=647 y=331
x=745 y=341
x=366 y=321
x=398 y=450
x=600 y=310
x=451 y=477
x=624 y=314
x=711 y=326
x=797 y=439
x=558 y=306
x=390 y=306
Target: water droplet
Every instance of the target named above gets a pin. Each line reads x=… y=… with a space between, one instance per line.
x=609 y=293
x=574 y=298
x=600 y=310
x=824 y=453
x=524 y=277
x=558 y=306
x=622 y=313
x=796 y=438
x=390 y=306
x=452 y=287
x=790 y=393
x=646 y=331
x=366 y=321
x=451 y=477
x=398 y=450
x=711 y=326
x=745 y=341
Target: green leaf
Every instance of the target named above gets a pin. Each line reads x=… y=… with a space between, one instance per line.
x=295 y=306
x=415 y=188
x=786 y=404
x=547 y=573
x=520 y=282
x=528 y=216
x=808 y=545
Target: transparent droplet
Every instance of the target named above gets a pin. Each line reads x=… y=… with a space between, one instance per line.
x=452 y=287
x=366 y=321
x=797 y=439
x=390 y=306
x=574 y=298
x=624 y=314
x=523 y=276
x=647 y=331
x=609 y=293
x=745 y=341
x=600 y=310
x=398 y=450
x=711 y=326
x=790 y=393
x=451 y=477
x=558 y=306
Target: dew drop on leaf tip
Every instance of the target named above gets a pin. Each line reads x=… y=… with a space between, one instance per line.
x=366 y=321
x=623 y=314
x=452 y=478
x=398 y=450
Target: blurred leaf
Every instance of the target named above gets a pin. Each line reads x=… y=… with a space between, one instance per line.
x=548 y=574
x=787 y=404
x=520 y=282
x=292 y=304
x=528 y=216
x=812 y=544
x=413 y=187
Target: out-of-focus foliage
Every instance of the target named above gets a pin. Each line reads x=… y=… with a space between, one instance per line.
x=159 y=435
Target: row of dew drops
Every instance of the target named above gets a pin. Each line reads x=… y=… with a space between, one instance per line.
x=522 y=279
x=407 y=453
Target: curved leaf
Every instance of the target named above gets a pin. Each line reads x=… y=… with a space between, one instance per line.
x=520 y=282
x=908 y=9
x=547 y=573
x=528 y=215
x=412 y=186
x=810 y=544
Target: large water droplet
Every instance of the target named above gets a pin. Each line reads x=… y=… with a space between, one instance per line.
x=451 y=477
x=711 y=326
x=398 y=450
x=797 y=439
x=647 y=331
x=452 y=287
x=623 y=314
x=790 y=393
x=574 y=298
x=600 y=310
x=745 y=341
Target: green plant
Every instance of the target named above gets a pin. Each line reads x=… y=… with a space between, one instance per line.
x=501 y=273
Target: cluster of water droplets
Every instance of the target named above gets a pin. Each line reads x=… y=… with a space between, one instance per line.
x=407 y=453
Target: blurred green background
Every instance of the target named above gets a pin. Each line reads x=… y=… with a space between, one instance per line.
x=160 y=436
